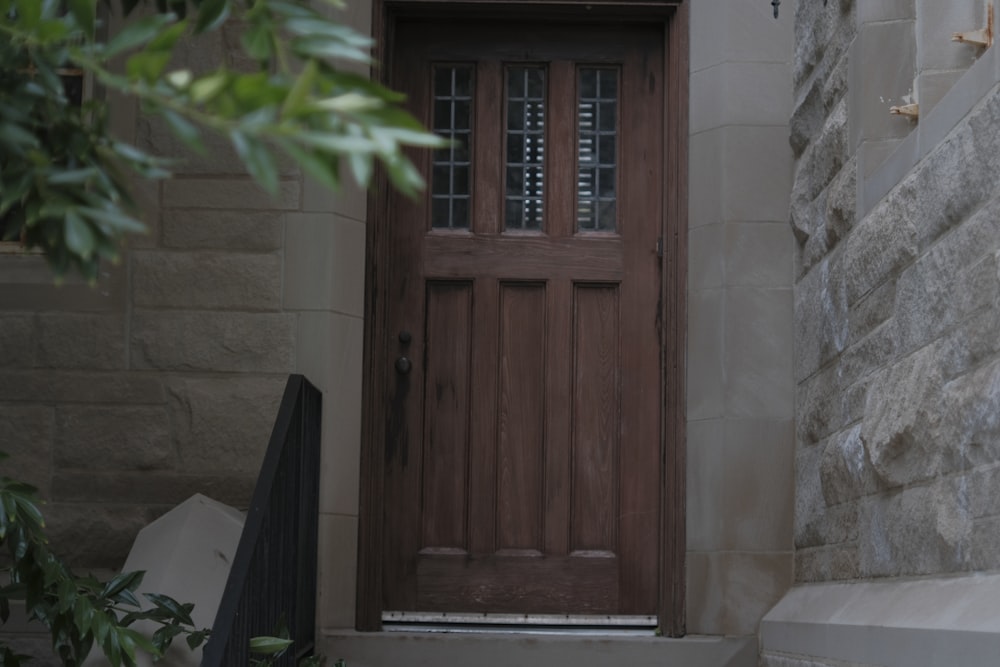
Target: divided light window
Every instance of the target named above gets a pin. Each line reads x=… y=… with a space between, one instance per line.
x=525 y=148
x=452 y=119
x=597 y=149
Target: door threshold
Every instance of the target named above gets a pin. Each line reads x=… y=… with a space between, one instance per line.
x=544 y=624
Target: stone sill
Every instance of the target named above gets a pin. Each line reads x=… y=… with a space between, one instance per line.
x=434 y=649
x=930 y=130
x=935 y=622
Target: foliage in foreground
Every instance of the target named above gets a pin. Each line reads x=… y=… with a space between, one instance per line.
x=80 y=612
x=64 y=181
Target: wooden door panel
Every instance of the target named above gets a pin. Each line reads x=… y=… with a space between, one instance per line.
x=447 y=391
x=522 y=472
x=524 y=257
x=508 y=584
x=520 y=422
x=596 y=418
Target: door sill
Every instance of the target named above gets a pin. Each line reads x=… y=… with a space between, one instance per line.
x=408 y=621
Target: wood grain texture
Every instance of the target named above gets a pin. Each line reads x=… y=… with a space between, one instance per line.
x=596 y=418
x=672 y=604
x=521 y=405
x=510 y=584
x=523 y=256
x=406 y=573
x=447 y=362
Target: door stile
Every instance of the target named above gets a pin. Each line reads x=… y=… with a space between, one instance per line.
x=672 y=596
x=482 y=472
x=558 y=408
x=642 y=107
x=487 y=196
x=405 y=304
x=561 y=147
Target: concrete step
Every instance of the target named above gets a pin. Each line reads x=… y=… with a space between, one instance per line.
x=496 y=649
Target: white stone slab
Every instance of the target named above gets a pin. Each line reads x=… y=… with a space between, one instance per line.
x=934 y=622
x=186 y=554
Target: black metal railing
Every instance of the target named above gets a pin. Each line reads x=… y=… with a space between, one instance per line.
x=273 y=576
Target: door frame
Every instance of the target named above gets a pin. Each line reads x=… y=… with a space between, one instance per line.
x=674 y=16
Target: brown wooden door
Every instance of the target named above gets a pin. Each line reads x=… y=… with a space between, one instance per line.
x=523 y=441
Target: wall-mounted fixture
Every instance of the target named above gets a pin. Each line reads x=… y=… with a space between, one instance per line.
x=911 y=111
x=983 y=37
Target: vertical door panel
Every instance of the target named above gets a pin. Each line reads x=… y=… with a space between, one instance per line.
x=521 y=418
x=596 y=418
x=447 y=392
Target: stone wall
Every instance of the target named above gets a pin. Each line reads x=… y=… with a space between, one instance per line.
x=897 y=302
x=896 y=317
x=123 y=399
x=120 y=401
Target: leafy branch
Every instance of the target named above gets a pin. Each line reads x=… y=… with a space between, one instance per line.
x=64 y=182
x=79 y=611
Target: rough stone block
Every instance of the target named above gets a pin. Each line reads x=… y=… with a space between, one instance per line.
x=809 y=501
x=235 y=194
x=878 y=249
x=841 y=202
x=223 y=230
x=819 y=407
x=17 y=340
x=835 y=563
x=955 y=179
x=846 y=473
x=89 y=535
x=821 y=322
x=985 y=544
x=218 y=158
x=112 y=437
x=826 y=155
x=76 y=340
x=223 y=424
x=150 y=487
x=981 y=485
x=971 y=344
x=970 y=414
x=214 y=341
x=871 y=311
x=902 y=426
x=866 y=356
x=26 y=436
x=50 y=386
x=918 y=530
x=209 y=280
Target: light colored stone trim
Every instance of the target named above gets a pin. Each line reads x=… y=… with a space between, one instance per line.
x=933 y=127
x=933 y=622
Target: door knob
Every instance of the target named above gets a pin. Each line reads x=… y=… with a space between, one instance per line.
x=403 y=365
x=405 y=337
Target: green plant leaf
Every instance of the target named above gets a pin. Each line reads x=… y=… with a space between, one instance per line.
x=323 y=168
x=257 y=159
x=184 y=130
x=178 y=611
x=84 y=12
x=269 y=645
x=211 y=15
x=79 y=237
x=138 y=33
x=124 y=581
x=196 y=639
